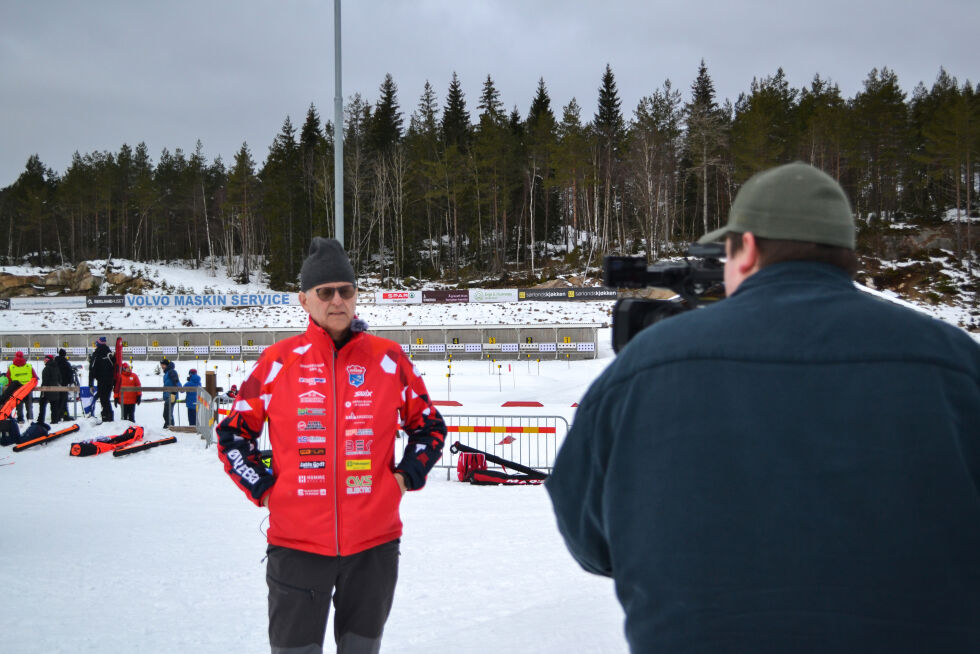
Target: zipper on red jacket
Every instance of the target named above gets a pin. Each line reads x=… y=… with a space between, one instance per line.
x=336 y=413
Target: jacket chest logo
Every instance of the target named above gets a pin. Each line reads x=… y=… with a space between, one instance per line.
x=355 y=375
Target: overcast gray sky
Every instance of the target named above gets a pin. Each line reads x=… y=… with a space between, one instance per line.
x=92 y=75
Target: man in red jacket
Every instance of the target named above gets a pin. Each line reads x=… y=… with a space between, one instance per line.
x=334 y=398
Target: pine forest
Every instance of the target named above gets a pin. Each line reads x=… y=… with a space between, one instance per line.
x=466 y=188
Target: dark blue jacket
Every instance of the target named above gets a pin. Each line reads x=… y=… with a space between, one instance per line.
x=170 y=377
x=193 y=379
x=795 y=469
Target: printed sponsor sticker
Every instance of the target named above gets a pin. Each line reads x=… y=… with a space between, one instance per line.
x=311 y=366
x=312 y=381
x=364 y=393
x=355 y=375
x=312 y=397
x=310 y=425
x=312 y=451
x=359 y=484
x=354 y=416
x=359 y=464
x=312 y=465
x=358 y=447
x=311 y=439
x=311 y=492
x=312 y=479
x=311 y=412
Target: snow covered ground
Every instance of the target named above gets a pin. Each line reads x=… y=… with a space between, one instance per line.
x=159 y=552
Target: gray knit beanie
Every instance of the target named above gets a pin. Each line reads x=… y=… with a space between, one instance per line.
x=327 y=262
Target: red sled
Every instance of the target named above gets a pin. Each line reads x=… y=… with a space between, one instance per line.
x=16 y=398
x=107 y=443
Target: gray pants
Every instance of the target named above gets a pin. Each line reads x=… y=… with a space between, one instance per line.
x=302 y=585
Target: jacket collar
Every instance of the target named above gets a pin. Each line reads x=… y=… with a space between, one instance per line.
x=322 y=340
x=797 y=272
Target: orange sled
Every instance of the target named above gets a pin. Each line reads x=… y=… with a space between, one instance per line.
x=107 y=443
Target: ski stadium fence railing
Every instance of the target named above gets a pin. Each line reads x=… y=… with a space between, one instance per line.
x=529 y=440
x=500 y=342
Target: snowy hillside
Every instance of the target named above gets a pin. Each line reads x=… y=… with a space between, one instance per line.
x=159 y=552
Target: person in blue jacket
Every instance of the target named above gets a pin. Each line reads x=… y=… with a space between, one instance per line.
x=793 y=469
x=190 y=399
x=171 y=380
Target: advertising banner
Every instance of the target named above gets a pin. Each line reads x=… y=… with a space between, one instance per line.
x=568 y=293
x=105 y=301
x=445 y=296
x=398 y=297
x=493 y=295
x=213 y=300
x=56 y=302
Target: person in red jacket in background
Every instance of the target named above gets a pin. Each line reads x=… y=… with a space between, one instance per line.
x=129 y=398
x=334 y=398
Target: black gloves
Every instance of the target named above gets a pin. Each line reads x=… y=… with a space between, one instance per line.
x=139 y=399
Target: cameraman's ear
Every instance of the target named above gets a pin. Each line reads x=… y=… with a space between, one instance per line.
x=747 y=259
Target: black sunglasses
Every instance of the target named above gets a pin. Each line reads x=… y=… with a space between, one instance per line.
x=325 y=293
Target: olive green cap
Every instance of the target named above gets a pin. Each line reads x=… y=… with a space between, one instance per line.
x=795 y=202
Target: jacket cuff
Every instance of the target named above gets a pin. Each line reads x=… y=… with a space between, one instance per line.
x=414 y=473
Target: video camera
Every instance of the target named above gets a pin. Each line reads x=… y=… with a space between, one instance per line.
x=694 y=282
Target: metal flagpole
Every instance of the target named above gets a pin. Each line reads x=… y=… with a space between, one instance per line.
x=338 y=131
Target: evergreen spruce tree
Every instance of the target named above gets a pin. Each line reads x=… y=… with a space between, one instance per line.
x=455 y=117
x=706 y=138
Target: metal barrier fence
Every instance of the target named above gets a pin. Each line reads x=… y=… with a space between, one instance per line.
x=531 y=441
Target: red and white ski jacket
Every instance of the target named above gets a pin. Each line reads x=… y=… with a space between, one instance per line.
x=333 y=420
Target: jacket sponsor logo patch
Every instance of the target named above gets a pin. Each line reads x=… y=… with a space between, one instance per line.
x=311 y=492
x=364 y=393
x=354 y=416
x=355 y=375
x=311 y=412
x=312 y=381
x=312 y=397
x=310 y=425
x=312 y=479
x=358 y=447
x=359 y=464
x=239 y=466
x=311 y=439
x=312 y=451
x=311 y=366
x=362 y=431
x=359 y=484
x=312 y=465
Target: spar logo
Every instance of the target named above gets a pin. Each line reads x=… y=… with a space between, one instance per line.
x=312 y=381
x=358 y=447
x=311 y=439
x=311 y=412
x=312 y=451
x=355 y=375
x=310 y=425
x=312 y=465
x=359 y=484
x=358 y=464
x=312 y=397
